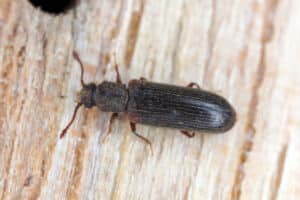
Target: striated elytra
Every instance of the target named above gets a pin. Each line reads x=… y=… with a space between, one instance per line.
x=182 y=108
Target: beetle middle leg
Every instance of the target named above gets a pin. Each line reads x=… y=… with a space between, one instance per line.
x=193 y=84
x=188 y=134
x=133 y=129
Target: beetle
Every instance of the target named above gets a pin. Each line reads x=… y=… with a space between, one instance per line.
x=183 y=108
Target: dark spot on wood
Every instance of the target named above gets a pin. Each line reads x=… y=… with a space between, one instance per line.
x=106 y=58
x=54 y=6
x=27 y=181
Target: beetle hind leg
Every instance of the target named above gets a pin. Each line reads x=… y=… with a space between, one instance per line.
x=133 y=129
x=188 y=134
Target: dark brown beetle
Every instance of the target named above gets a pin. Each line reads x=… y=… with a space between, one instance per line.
x=183 y=108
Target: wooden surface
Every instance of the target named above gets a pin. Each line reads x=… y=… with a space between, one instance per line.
x=245 y=50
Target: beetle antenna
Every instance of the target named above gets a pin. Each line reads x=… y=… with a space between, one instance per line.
x=76 y=57
x=63 y=133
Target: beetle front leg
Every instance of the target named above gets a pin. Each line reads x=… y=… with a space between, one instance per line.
x=111 y=119
x=133 y=129
x=188 y=134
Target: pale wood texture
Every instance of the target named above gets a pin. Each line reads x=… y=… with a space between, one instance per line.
x=246 y=50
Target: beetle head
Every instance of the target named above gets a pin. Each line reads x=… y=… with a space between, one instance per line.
x=86 y=95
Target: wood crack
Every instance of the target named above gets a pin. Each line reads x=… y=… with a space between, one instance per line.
x=17 y=112
x=119 y=171
x=280 y=170
x=267 y=35
x=72 y=191
x=211 y=41
x=189 y=187
x=132 y=34
x=176 y=47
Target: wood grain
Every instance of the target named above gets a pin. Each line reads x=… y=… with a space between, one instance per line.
x=246 y=51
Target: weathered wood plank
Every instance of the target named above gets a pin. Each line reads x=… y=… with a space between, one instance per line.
x=246 y=51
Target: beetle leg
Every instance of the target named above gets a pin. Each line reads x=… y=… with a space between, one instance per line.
x=112 y=118
x=133 y=129
x=188 y=134
x=118 y=78
x=192 y=84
